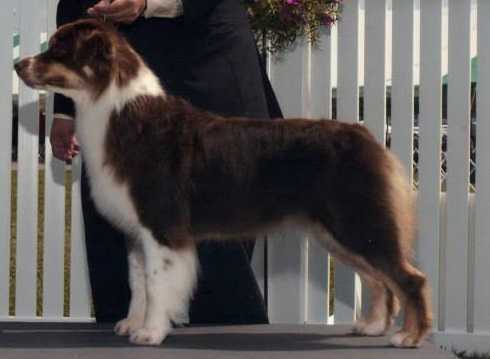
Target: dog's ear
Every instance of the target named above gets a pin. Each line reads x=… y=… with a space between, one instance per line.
x=95 y=45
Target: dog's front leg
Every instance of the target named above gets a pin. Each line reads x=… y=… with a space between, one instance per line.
x=137 y=279
x=170 y=279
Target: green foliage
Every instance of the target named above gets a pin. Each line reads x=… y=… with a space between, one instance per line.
x=281 y=22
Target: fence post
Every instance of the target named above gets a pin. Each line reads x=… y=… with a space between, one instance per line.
x=347 y=285
x=402 y=90
x=54 y=210
x=6 y=68
x=27 y=168
x=430 y=144
x=318 y=260
x=287 y=257
x=481 y=307
x=458 y=166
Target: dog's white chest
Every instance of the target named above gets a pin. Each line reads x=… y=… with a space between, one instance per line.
x=111 y=197
x=113 y=200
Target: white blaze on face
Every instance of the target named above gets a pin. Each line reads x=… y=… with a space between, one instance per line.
x=88 y=71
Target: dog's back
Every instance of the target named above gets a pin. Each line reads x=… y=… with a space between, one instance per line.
x=238 y=174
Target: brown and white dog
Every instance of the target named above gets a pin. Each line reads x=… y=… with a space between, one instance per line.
x=169 y=175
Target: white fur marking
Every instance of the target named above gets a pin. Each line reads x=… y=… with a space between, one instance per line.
x=137 y=284
x=111 y=197
x=168 y=291
x=398 y=339
x=374 y=328
x=404 y=340
x=88 y=71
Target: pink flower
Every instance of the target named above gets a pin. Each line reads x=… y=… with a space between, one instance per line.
x=292 y=2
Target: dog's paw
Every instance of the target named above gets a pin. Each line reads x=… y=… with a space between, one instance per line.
x=128 y=325
x=375 y=328
x=370 y=329
x=148 y=336
x=405 y=340
x=358 y=327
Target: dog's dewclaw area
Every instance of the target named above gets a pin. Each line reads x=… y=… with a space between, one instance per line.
x=67 y=341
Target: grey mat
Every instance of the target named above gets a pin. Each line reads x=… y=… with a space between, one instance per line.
x=70 y=341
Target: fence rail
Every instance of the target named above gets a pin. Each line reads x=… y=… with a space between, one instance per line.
x=384 y=58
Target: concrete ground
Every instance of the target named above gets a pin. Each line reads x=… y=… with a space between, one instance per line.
x=77 y=341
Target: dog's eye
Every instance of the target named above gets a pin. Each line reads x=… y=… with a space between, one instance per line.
x=58 y=50
x=58 y=46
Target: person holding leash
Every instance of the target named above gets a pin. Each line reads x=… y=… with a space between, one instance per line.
x=204 y=51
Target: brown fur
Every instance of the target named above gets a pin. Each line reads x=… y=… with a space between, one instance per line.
x=206 y=174
x=192 y=174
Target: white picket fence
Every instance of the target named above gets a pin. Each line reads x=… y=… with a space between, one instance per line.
x=382 y=46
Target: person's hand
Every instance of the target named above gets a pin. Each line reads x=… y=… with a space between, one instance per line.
x=63 y=142
x=119 y=11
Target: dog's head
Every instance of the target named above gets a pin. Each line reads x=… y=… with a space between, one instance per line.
x=82 y=60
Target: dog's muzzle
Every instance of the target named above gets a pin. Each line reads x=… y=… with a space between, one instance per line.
x=25 y=70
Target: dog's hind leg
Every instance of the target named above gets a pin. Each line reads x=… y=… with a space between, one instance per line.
x=386 y=258
x=412 y=287
x=383 y=304
x=170 y=279
x=137 y=285
x=409 y=284
x=387 y=253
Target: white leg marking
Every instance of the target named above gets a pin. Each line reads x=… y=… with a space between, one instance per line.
x=137 y=306
x=405 y=340
x=398 y=338
x=376 y=322
x=375 y=328
x=170 y=280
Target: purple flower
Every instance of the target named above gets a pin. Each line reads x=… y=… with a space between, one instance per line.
x=327 y=20
x=292 y=2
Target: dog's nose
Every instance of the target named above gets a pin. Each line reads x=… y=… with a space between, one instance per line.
x=17 y=66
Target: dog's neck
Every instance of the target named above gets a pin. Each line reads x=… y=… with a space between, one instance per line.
x=116 y=97
x=93 y=117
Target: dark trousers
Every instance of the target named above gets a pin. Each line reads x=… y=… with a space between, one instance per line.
x=227 y=291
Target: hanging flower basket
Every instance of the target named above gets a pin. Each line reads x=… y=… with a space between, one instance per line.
x=278 y=23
